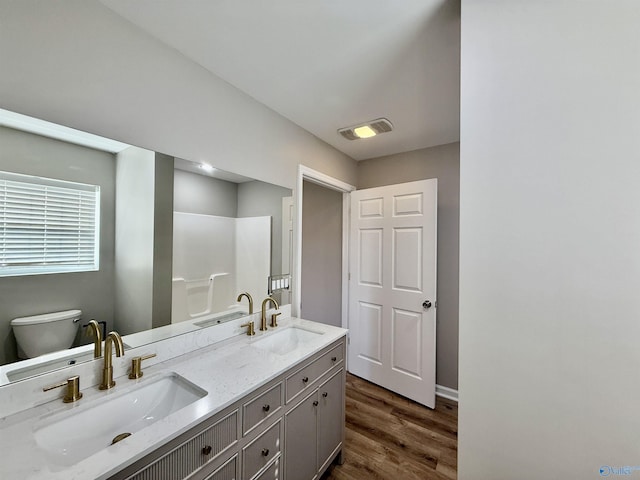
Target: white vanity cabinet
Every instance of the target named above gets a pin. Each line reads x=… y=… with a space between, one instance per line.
x=289 y=429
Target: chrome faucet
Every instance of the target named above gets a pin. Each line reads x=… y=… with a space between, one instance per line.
x=113 y=339
x=93 y=330
x=248 y=295
x=263 y=318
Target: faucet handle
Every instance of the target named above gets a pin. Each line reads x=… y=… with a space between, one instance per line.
x=251 y=330
x=274 y=317
x=73 y=392
x=136 y=366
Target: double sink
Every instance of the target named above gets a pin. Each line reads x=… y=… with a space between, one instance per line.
x=81 y=430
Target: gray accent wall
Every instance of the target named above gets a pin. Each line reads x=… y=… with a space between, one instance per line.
x=91 y=292
x=321 y=295
x=441 y=162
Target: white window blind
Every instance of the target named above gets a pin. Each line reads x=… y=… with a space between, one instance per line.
x=47 y=225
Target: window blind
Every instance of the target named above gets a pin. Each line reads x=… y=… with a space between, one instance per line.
x=47 y=225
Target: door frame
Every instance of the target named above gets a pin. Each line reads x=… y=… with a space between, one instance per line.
x=327 y=181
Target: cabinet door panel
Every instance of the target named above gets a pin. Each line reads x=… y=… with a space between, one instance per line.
x=330 y=417
x=300 y=440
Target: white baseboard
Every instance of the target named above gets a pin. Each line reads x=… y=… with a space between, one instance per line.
x=446 y=392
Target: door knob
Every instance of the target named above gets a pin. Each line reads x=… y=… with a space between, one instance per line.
x=426 y=304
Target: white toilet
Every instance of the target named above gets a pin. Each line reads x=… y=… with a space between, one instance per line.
x=50 y=332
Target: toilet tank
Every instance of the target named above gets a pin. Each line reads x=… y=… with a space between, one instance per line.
x=46 y=333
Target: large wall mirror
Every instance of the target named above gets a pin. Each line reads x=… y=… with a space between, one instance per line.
x=177 y=242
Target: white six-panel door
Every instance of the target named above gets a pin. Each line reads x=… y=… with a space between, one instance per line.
x=392 y=288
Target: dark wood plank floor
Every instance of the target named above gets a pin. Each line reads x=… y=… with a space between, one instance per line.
x=389 y=437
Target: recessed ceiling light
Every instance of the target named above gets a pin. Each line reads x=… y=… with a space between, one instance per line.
x=206 y=167
x=366 y=130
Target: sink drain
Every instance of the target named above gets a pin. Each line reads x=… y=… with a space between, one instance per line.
x=119 y=437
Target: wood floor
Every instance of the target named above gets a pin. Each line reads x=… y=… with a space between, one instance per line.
x=389 y=437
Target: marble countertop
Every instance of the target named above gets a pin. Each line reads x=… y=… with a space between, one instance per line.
x=227 y=370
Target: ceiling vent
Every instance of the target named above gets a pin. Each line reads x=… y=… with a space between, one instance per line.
x=366 y=130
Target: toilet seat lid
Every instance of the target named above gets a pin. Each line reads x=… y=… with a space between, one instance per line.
x=46 y=317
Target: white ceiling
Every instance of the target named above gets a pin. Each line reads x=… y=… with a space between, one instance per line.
x=327 y=64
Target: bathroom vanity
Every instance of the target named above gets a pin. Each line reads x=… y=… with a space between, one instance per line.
x=269 y=406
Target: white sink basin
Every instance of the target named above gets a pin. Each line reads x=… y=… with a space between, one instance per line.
x=286 y=340
x=75 y=434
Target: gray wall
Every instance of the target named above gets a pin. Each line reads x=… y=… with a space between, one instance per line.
x=257 y=199
x=92 y=292
x=443 y=163
x=321 y=281
x=112 y=79
x=550 y=244
x=205 y=195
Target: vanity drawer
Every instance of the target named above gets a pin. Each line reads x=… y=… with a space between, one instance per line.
x=194 y=453
x=271 y=473
x=300 y=380
x=261 y=451
x=226 y=471
x=260 y=408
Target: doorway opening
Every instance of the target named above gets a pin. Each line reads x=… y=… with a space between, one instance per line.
x=321 y=295
x=321 y=187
